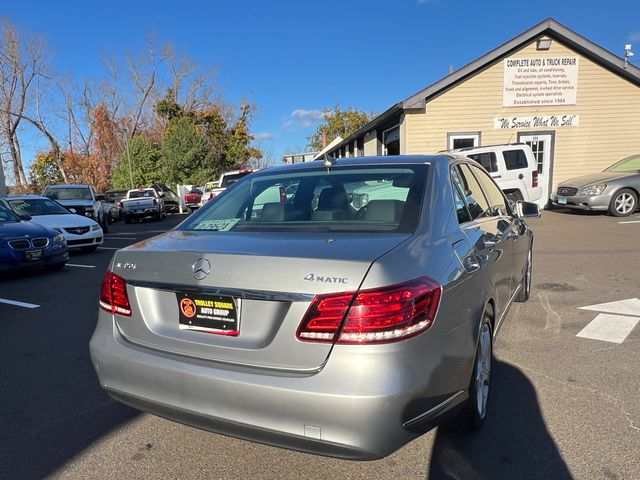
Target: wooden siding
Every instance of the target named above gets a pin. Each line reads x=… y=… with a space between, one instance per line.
x=608 y=105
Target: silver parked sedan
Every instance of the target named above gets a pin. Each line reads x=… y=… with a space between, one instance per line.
x=615 y=190
x=282 y=313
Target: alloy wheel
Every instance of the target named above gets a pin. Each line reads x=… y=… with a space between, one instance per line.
x=624 y=203
x=483 y=369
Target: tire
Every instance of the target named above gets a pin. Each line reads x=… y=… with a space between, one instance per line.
x=525 y=286
x=91 y=248
x=623 y=203
x=474 y=411
x=514 y=197
x=105 y=223
x=157 y=217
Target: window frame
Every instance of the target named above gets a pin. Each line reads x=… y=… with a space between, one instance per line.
x=453 y=136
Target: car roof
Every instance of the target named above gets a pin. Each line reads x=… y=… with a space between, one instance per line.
x=70 y=185
x=368 y=161
x=26 y=196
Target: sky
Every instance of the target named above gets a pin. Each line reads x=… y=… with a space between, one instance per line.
x=293 y=58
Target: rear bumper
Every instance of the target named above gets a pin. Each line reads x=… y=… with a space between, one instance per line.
x=580 y=202
x=363 y=411
x=147 y=212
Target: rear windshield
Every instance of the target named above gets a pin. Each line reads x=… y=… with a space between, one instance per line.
x=68 y=193
x=230 y=178
x=142 y=194
x=342 y=199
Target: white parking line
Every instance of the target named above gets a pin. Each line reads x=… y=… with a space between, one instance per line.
x=609 y=328
x=108 y=235
x=19 y=304
x=81 y=266
x=109 y=248
x=630 y=221
x=119 y=238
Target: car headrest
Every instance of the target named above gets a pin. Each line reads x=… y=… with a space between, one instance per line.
x=384 y=211
x=333 y=198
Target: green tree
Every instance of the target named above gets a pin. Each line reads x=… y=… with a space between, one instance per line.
x=186 y=156
x=146 y=161
x=45 y=171
x=338 y=122
x=237 y=149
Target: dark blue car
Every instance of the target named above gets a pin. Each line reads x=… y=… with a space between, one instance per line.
x=24 y=244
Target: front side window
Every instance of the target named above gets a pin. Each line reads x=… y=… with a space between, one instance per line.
x=7 y=215
x=340 y=199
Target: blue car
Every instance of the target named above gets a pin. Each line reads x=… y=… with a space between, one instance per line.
x=24 y=244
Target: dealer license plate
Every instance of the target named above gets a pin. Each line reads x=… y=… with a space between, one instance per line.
x=33 y=254
x=208 y=313
x=562 y=200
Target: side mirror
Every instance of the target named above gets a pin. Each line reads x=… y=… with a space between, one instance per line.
x=73 y=210
x=527 y=210
x=25 y=217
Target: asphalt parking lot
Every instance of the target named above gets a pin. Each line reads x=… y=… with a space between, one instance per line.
x=564 y=400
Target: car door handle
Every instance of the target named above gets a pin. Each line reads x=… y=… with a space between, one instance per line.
x=521 y=176
x=496 y=176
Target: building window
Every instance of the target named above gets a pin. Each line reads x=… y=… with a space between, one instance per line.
x=391 y=141
x=360 y=147
x=463 y=140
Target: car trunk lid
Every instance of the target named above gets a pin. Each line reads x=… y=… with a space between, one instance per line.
x=272 y=278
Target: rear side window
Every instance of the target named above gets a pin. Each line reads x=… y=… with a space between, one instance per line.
x=493 y=193
x=487 y=160
x=515 y=159
x=473 y=196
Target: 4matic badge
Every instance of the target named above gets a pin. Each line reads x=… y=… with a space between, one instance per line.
x=312 y=277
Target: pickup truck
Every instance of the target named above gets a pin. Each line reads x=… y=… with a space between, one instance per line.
x=142 y=203
x=80 y=199
x=193 y=198
x=227 y=178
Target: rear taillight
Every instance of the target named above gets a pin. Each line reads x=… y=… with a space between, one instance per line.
x=379 y=315
x=155 y=202
x=113 y=295
x=534 y=179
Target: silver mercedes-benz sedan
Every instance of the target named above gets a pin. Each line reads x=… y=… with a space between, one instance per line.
x=283 y=314
x=615 y=190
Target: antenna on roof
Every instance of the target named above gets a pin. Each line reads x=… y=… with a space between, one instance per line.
x=627 y=54
x=329 y=161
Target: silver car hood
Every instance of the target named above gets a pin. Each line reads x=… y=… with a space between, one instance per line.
x=600 y=177
x=274 y=275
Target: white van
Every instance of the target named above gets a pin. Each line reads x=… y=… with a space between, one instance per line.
x=513 y=167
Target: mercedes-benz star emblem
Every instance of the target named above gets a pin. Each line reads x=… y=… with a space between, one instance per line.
x=201 y=268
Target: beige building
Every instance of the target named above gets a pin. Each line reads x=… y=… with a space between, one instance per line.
x=575 y=103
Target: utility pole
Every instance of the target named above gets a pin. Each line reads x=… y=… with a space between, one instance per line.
x=3 y=185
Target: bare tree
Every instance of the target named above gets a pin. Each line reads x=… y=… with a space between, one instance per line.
x=21 y=62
